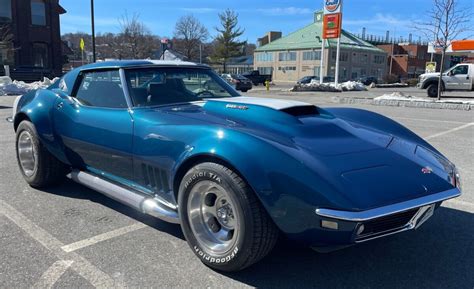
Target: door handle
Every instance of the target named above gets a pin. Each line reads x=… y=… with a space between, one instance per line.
x=60 y=105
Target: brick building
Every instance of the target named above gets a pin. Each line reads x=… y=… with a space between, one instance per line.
x=36 y=49
x=407 y=60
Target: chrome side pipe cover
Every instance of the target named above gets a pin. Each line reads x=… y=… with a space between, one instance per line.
x=151 y=206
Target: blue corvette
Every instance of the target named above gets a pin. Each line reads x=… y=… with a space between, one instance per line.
x=174 y=140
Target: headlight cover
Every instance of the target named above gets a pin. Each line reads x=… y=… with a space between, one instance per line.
x=456 y=178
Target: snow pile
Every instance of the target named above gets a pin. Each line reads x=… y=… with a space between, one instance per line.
x=391 y=85
x=314 y=85
x=9 y=87
x=399 y=96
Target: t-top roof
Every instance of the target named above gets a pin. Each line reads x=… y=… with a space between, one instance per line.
x=309 y=37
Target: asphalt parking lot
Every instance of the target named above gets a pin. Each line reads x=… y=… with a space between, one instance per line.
x=70 y=236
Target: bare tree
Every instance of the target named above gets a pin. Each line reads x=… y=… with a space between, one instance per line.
x=189 y=34
x=6 y=43
x=447 y=21
x=134 y=40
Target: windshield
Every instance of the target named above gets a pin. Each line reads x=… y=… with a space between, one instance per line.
x=162 y=86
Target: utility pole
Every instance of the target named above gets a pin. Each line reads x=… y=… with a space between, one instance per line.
x=200 y=53
x=93 y=32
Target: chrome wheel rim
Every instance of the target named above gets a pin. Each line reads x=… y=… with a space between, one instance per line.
x=26 y=153
x=213 y=218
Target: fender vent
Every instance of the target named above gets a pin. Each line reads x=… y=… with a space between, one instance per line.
x=301 y=110
x=155 y=178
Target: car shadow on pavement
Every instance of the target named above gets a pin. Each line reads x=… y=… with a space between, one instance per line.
x=456 y=96
x=71 y=189
x=440 y=254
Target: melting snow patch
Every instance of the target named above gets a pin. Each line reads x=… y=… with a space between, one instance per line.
x=314 y=85
x=9 y=87
x=398 y=96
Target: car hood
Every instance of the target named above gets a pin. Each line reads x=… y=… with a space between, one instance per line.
x=427 y=75
x=369 y=167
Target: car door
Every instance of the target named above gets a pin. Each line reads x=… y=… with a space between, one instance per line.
x=96 y=126
x=461 y=74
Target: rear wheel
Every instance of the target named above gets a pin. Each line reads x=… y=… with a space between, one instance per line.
x=223 y=221
x=244 y=90
x=37 y=165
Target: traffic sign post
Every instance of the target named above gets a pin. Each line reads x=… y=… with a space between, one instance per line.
x=332 y=26
x=82 y=45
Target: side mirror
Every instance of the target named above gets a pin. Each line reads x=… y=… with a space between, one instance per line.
x=450 y=73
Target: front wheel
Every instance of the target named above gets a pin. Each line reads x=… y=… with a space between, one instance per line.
x=432 y=90
x=223 y=222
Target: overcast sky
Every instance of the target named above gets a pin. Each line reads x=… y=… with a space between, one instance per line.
x=256 y=16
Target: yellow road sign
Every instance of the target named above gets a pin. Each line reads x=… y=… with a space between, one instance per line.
x=430 y=67
x=81 y=44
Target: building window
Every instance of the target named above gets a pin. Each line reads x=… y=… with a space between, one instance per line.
x=287 y=56
x=312 y=55
x=265 y=70
x=264 y=57
x=287 y=68
x=38 y=12
x=5 y=11
x=379 y=59
x=40 y=55
x=317 y=71
x=343 y=56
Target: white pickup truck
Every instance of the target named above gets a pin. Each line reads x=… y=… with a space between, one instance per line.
x=459 y=77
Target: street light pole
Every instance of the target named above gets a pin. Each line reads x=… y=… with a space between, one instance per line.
x=93 y=32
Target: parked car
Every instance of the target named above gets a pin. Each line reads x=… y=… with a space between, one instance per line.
x=238 y=81
x=368 y=80
x=307 y=79
x=257 y=78
x=175 y=141
x=459 y=77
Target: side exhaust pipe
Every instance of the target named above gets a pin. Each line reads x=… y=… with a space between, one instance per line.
x=155 y=207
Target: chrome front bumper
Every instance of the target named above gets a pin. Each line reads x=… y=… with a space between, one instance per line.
x=391 y=219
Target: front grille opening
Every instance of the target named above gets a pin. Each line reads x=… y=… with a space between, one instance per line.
x=302 y=110
x=386 y=224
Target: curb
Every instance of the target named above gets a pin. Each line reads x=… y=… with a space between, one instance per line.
x=403 y=103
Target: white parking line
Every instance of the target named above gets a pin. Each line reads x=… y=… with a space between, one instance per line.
x=94 y=275
x=427 y=120
x=449 y=131
x=459 y=205
x=52 y=275
x=102 y=237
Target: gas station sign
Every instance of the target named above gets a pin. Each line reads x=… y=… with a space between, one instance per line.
x=332 y=6
x=332 y=26
x=332 y=20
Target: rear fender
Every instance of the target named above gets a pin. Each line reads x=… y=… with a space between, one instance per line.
x=39 y=110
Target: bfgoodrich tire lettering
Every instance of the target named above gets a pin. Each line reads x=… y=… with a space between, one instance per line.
x=251 y=233
x=39 y=167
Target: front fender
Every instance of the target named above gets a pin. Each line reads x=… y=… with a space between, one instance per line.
x=288 y=189
x=379 y=122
